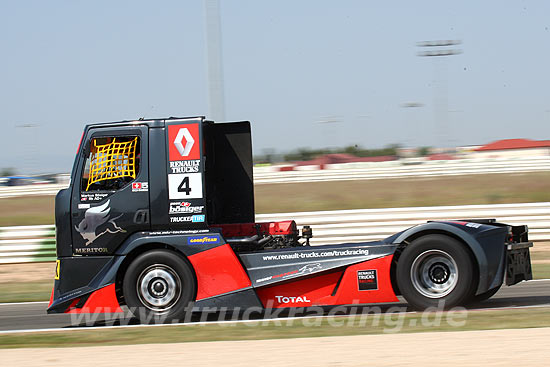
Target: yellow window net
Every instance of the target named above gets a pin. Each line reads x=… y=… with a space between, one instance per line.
x=112 y=160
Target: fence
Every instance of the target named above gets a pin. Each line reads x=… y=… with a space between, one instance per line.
x=395 y=169
x=37 y=243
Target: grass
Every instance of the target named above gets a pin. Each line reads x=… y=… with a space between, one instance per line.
x=456 y=190
x=25 y=211
x=297 y=328
x=541 y=271
x=39 y=290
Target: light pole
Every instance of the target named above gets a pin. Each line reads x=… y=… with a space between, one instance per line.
x=438 y=50
x=31 y=147
x=408 y=128
x=214 y=60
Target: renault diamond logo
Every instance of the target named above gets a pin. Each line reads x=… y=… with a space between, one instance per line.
x=184 y=133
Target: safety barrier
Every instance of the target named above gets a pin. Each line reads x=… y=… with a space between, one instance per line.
x=27 y=244
x=37 y=243
x=397 y=169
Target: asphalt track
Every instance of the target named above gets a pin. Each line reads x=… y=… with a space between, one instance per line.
x=32 y=315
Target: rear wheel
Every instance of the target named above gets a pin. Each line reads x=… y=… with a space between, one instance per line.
x=158 y=287
x=436 y=268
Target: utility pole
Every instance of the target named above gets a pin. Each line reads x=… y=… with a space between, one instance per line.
x=214 y=59
x=30 y=146
x=438 y=50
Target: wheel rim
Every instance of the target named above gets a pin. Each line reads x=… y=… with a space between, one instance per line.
x=159 y=288
x=434 y=273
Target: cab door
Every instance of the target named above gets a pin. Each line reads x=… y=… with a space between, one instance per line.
x=110 y=201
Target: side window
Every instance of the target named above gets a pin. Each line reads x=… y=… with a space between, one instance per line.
x=111 y=164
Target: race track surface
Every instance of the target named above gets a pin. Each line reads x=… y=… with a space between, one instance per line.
x=32 y=316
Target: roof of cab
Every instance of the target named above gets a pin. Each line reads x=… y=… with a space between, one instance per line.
x=154 y=122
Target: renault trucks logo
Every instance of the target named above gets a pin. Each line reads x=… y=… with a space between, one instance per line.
x=184 y=142
x=184 y=150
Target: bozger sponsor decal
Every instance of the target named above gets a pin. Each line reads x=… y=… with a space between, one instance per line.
x=185 y=166
x=202 y=240
x=191 y=218
x=184 y=207
x=316 y=254
x=299 y=299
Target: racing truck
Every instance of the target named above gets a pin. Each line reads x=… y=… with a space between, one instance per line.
x=159 y=217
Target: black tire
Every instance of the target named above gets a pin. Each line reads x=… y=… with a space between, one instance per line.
x=436 y=268
x=485 y=296
x=159 y=286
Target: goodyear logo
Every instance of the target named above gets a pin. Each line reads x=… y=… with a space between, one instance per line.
x=203 y=240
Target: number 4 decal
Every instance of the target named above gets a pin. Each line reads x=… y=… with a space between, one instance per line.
x=185 y=186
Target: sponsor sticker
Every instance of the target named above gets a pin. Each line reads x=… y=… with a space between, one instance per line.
x=91 y=250
x=185 y=186
x=299 y=299
x=203 y=240
x=140 y=186
x=98 y=221
x=84 y=206
x=199 y=218
x=473 y=225
x=185 y=166
x=317 y=254
x=367 y=280
x=57 y=269
x=165 y=233
x=184 y=142
x=185 y=207
x=96 y=196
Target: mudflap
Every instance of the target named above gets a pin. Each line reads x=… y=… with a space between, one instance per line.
x=518 y=262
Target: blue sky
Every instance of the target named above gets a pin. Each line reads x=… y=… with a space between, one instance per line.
x=288 y=65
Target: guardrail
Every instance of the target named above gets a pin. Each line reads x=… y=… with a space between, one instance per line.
x=396 y=169
x=340 y=226
x=37 y=243
x=24 y=244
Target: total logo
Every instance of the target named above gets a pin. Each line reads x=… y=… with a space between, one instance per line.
x=299 y=299
x=183 y=140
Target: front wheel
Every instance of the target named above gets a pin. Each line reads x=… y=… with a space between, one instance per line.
x=436 y=268
x=158 y=287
